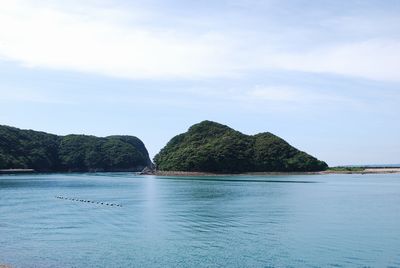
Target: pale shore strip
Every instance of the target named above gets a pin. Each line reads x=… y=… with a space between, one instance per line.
x=195 y=174
x=364 y=171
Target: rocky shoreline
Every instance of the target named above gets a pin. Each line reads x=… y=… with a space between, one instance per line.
x=326 y=172
x=16 y=171
x=148 y=171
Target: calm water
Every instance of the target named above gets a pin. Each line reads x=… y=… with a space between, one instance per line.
x=238 y=221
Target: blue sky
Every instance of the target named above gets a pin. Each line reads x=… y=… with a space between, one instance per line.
x=324 y=75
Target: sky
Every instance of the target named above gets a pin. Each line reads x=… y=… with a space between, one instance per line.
x=323 y=75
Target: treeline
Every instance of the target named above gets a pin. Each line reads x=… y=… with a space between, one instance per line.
x=212 y=147
x=47 y=152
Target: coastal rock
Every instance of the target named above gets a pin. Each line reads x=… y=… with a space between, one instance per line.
x=148 y=171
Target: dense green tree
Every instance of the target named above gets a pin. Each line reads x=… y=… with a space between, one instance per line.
x=46 y=152
x=3 y=161
x=27 y=148
x=212 y=147
x=120 y=151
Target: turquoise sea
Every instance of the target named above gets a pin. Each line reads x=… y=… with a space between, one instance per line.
x=222 y=221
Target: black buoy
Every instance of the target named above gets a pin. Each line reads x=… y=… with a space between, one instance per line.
x=87 y=201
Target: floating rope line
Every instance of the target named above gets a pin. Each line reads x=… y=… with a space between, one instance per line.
x=88 y=201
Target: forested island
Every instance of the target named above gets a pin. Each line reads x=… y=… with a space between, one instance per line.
x=212 y=147
x=206 y=147
x=40 y=151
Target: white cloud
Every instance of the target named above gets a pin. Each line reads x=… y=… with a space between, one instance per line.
x=120 y=43
x=274 y=94
x=84 y=41
x=271 y=97
x=287 y=96
x=19 y=95
x=373 y=59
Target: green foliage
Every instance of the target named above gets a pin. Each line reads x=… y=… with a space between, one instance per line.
x=121 y=151
x=80 y=152
x=212 y=147
x=27 y=149
x=347 y=169
x=272 y=153
x=47 y=152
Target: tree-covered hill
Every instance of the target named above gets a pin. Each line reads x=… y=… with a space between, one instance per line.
x=212 y=147
x=47 y=152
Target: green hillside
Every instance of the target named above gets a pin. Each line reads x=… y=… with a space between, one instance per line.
x=47 y=152
x=213 y=147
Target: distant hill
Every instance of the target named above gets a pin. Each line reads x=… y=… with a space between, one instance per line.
x=213 y=147
x=47 y=152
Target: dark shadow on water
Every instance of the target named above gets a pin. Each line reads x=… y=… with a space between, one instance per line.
x=47 y=183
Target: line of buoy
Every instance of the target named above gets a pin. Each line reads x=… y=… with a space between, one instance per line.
x=88 y=201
